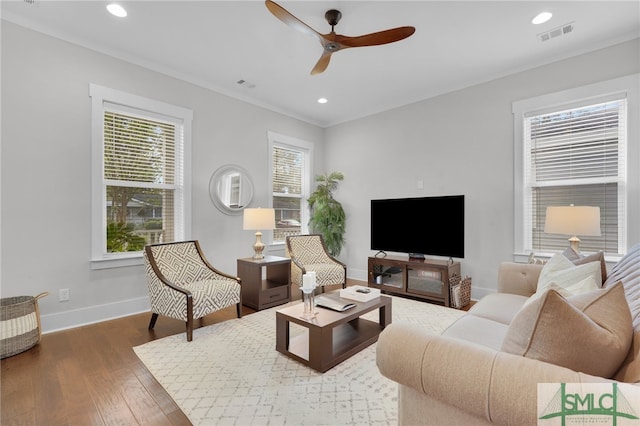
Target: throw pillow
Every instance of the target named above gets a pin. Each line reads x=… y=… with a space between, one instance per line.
x=595 y=257
x=564 y=273
x=590 y=332
x=570 y=254
x=578 y=259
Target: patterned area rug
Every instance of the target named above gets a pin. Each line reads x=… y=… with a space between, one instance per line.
x=231 y=374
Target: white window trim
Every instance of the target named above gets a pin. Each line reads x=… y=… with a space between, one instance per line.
x=99 y=97
x=630 y=86
x=277 y=139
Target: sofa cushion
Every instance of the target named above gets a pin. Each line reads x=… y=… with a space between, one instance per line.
x=590 y=332
x=500 y=307
x=478 y=330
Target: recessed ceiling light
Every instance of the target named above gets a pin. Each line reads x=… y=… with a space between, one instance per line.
x=117 y=10
x=541 y=18
x=322 y=101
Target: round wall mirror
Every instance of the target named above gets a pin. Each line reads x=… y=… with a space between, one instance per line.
x=231 y=189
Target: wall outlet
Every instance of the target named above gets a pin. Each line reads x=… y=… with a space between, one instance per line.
x=64 y=294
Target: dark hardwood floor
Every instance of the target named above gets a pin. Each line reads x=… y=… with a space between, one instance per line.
x=90 y=376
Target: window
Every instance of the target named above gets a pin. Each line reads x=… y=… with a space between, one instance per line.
x=573 y=152
x=140 y=191
x=290 y=174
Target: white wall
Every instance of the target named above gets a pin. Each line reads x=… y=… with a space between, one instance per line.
x=458 y=143
x=46 y=142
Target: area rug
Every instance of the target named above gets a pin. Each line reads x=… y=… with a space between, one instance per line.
x=231 y=374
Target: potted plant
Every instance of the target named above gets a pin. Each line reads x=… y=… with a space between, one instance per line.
x=327 y=214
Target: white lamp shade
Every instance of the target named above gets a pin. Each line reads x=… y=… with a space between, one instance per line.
x=573 y=220
x=259 y=219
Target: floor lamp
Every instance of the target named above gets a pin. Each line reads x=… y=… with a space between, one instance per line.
x=573 y=220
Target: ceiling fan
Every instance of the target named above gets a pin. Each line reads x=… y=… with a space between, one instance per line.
x=333 y=42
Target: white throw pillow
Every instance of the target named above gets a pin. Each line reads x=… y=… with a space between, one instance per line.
x=561 y=275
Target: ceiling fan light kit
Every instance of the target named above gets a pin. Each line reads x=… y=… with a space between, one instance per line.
x=333 y=42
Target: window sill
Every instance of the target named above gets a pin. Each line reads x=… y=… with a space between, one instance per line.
x=118 y=261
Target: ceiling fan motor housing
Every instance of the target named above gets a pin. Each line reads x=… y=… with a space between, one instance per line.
x=333 y=16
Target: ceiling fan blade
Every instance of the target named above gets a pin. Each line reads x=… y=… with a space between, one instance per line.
x=322 y=63
x=282 y=14
x=375 y=39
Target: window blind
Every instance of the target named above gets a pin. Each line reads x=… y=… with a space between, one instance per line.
x=138 y=149
x=287 y=171
x=577 y=156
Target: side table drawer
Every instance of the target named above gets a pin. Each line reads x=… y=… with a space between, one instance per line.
x=275 y=294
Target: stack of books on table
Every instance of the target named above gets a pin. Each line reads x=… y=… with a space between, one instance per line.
x=359 y=293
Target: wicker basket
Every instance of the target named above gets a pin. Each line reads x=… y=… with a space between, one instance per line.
x=20 y=324
x=460 y=291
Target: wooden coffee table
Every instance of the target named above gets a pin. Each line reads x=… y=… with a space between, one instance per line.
x=331 y=337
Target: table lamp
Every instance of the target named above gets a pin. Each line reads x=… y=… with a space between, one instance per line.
x=259 y=219
x=573 y=220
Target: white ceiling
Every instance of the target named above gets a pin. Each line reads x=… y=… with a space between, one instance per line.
x=216 y=43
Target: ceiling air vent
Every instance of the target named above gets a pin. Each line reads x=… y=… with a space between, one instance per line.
x=246 y=84
x=556 y=32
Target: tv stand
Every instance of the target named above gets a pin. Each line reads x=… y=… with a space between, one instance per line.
x=426 y=279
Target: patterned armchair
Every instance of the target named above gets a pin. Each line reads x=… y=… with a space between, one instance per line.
x=309 y=253
x=184 y=286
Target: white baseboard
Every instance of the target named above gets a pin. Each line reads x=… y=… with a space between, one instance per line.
x=93 y=314
x=357 y=274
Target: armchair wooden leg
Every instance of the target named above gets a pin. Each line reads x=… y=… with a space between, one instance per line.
x=189 y=329
x=239 y=309
x=152 y=323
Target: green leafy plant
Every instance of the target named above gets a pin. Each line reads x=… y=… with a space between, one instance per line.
x=121 y=237
x=327 y=215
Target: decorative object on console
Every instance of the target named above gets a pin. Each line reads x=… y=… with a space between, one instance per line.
x=460 y=291
x=259 y=219
x=573 y=220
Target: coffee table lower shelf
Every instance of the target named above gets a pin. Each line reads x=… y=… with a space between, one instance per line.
x=331 y=337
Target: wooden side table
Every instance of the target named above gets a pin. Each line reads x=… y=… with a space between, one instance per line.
x=259 y=293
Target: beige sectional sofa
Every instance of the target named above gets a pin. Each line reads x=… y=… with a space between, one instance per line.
x=472 y=375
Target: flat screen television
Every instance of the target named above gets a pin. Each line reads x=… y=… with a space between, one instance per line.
x=419 y=226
